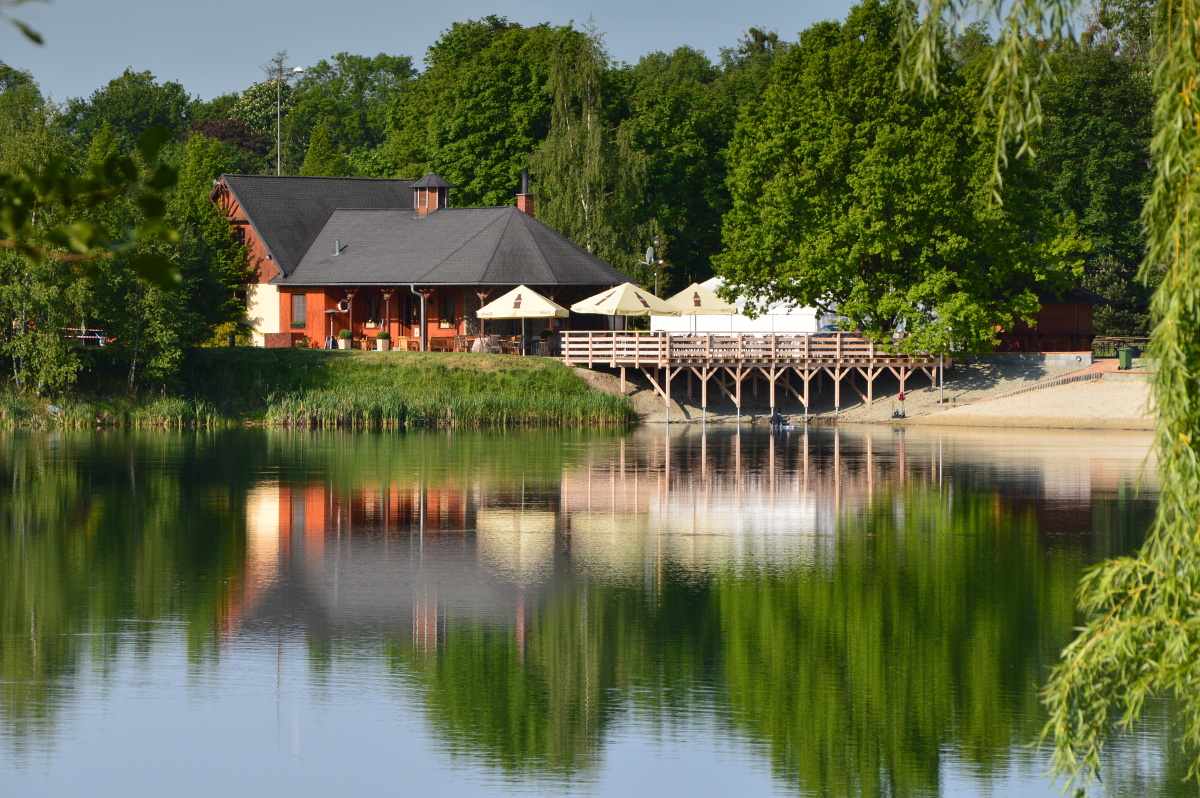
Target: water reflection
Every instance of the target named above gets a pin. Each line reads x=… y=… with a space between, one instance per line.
x=852 y=612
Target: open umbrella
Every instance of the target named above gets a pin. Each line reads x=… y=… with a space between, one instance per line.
x=522 y=303
x=698 y=300
x=624 y=300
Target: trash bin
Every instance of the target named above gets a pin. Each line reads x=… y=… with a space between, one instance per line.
x=1124 y=358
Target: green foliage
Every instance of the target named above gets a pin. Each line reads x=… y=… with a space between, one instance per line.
x=680 y=119
x=589 y=177
x=1140 y=637
x=130 y=104
x=478 y=110
x=352 y=96
x=322 y=158
x=256 y=106
x=853 y=196
x=407 y=390
x=1093 y=158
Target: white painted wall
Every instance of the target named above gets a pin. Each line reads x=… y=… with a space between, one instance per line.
x=262 y=309
x=779 y=318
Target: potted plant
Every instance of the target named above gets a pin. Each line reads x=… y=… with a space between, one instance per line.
x=383 y=341
x=344 y=337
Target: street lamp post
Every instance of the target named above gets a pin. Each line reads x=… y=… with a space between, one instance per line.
x=278 y=71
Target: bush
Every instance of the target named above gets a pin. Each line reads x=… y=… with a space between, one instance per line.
x=383 y=335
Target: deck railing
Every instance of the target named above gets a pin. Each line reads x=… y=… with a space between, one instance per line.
x=663 y=349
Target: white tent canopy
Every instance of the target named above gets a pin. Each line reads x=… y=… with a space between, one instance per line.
x=779 y=318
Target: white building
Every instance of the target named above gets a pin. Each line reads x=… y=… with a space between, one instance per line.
x=779 y=318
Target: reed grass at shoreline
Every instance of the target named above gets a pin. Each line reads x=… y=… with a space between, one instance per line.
x=351 y=390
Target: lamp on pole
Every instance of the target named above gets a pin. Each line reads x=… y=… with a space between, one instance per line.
x=654 y=263
x=277 y=71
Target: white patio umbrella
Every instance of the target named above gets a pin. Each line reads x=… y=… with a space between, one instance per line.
x=522 y=303
x=699 y=300
x=624 y=300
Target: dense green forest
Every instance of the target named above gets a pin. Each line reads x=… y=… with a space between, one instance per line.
x=797 y=168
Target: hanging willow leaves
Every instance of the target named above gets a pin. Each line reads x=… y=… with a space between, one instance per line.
x=587 y=173
x=1141 y=637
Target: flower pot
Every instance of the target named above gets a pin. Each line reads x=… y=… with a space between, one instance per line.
x=382 y=344
x=343 y=343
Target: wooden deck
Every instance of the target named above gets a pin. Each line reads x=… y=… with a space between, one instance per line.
x=790 y=362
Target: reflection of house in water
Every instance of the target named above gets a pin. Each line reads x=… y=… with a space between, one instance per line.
x=401 y=557
x=414 y=555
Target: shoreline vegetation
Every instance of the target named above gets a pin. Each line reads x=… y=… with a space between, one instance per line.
x=316 y=389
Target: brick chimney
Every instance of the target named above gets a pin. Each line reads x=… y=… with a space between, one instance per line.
x=430 y=193
x=524 y=198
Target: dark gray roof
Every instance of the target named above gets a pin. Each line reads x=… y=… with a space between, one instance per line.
x=288 y=212
x=432 y=181
x=455 y=246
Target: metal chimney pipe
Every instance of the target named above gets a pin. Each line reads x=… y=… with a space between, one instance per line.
x=337 y=247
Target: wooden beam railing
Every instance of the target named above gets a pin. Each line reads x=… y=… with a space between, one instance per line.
x=662 y=350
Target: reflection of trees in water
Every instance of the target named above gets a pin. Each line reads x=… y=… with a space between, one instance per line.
x=91 y=548
x=926 y=632
x=924 y=626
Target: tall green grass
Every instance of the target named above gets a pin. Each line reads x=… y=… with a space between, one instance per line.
x=162 y=412
x=353 y=390
x=401 y=391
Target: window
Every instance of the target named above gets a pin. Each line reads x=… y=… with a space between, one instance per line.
x=446 y=317
x=374 y=309
x=299 y=310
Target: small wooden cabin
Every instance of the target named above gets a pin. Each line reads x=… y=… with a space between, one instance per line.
x=1063 y=324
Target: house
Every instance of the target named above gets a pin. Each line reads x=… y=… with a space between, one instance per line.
x=371 y=255
x=779 y=318
x=1064 y=323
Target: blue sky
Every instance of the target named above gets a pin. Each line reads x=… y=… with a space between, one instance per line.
x=216 y=46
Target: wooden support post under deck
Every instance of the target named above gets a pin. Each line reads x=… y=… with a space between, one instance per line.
x=622 y=380
x=667 y=393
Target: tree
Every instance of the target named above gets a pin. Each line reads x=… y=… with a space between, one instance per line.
x=746 y=68
x=589 y=178
x=255 y=108
x=1093 y=156
x=680 y=119
x=478 y=110
x=1140 y=636
x=131 y=104
x=850 y=196
x=322 y=159
x=352 y=95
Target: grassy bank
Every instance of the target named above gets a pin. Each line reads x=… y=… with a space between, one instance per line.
x=357 y=390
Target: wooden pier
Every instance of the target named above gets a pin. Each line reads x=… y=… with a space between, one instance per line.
x=790 y=362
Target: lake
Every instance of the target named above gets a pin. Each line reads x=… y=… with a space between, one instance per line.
x=861 y=611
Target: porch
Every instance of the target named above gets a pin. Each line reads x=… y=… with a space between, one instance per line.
x=421 y=318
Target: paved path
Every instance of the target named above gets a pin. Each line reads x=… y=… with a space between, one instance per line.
x=1106 y=404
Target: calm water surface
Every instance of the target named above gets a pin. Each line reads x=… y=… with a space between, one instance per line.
x=831 y=613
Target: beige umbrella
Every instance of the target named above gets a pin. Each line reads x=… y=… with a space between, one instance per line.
x=699 y=300
x=522 y=303
x=624 y=300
